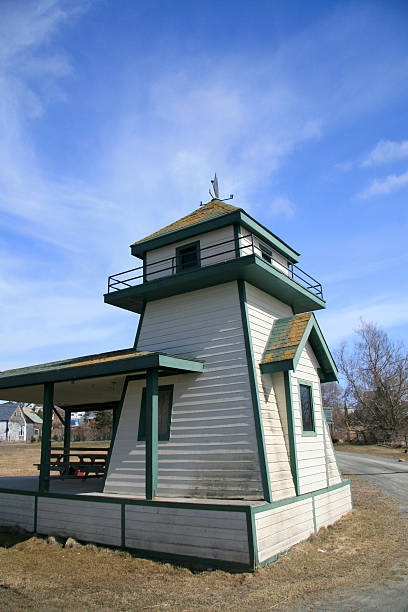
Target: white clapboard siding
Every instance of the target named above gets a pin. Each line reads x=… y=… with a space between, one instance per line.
x=212 y=451
x=334 y=472
x=162 y=262
x=17 y=510
x=263 y=310
x=311 y=458
x=280 y=528
x=97 y=522
x=196 y=533
x=331 y=506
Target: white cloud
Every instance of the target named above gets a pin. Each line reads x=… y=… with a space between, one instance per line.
x=386 y=151
x=282 y=206
x=393 y=182
x=387 y=312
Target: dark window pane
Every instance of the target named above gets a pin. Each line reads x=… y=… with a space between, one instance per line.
x=266 y=254
x=306 y=404
x=188 y=257
x=164 y=414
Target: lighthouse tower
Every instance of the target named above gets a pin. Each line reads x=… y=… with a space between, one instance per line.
x=218 y=287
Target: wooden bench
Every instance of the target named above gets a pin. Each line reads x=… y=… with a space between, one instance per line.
x=78 y=463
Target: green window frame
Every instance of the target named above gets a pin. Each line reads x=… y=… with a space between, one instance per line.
x=306 y=407
x=165 y=408
x=188 y=257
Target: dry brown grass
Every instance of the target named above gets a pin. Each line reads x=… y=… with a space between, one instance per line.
x=373 y=449
x=360 y=548
x=18 y=458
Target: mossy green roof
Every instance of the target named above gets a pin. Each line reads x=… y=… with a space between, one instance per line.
x=211 y=210
x=287 y=341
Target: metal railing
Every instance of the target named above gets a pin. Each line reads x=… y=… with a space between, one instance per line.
x=238 y=247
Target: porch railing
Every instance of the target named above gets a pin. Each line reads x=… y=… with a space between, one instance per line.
x=211 y=255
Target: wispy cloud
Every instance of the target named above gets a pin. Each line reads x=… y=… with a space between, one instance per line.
x=281 y=205
x=385 y=152
x=340 y=323
x=393 y=182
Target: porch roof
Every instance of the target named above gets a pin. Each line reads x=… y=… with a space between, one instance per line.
x=90 y=377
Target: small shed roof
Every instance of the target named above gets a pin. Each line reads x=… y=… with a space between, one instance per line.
x=83 y=379
x=6 y=410
x=33 y=416
x=287 y=340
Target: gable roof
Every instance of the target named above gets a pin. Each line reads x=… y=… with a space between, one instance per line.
x=287 y=341
x=211 y=210
x=7 y=410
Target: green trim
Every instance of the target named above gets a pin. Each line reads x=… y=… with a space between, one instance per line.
x=287 y=379
x=309 y=384
x=48 y=403
x=277 y=366
x=195 y=244
x=268 y=561
x=141 y=434
x=293 y=500
x=116 y=415
x=263 y=464
x=123 y=524
x=252 y=542
x=118 y=366
x=332 y=446
x=139 y=325
x=323 y=415
x=314 y=514
x=152 y=405
x=178 y=363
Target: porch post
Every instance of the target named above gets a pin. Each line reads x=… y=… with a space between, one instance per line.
x=152 y=428
x=48 y=402
x=67 y=439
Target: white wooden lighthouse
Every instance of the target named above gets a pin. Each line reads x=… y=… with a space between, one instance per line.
x=220 y=452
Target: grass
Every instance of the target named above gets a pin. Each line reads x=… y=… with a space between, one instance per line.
x=362 y=547
x=373 y=449
x=18 y=459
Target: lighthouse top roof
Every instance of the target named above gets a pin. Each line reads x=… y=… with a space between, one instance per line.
x=211 y=210
x=212 y=215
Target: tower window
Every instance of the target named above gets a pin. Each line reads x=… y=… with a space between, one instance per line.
x=266 y=253
x=165 y=406
x=188 y=256
x=306 y=403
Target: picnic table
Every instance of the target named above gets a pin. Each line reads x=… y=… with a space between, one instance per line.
x=80 y=462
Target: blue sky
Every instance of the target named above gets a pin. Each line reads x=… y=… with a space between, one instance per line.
x=114 y=115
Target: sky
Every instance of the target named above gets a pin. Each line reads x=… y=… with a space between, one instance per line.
x=114 y=116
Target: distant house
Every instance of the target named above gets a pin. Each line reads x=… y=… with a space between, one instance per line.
x=330 y=422
x=18 y=423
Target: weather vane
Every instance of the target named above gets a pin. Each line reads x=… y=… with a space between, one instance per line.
x=216 y=194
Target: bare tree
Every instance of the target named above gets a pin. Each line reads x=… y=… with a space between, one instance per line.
x=333 y=396
x=376 y=370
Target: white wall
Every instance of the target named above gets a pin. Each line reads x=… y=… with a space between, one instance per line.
x=310 y=449
x=17 y=510
x=211 y=252
x=88 y=521
x=329 y=507
x=188 y=532
x=279 y=261
x=212 y=451
x=263 y=310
